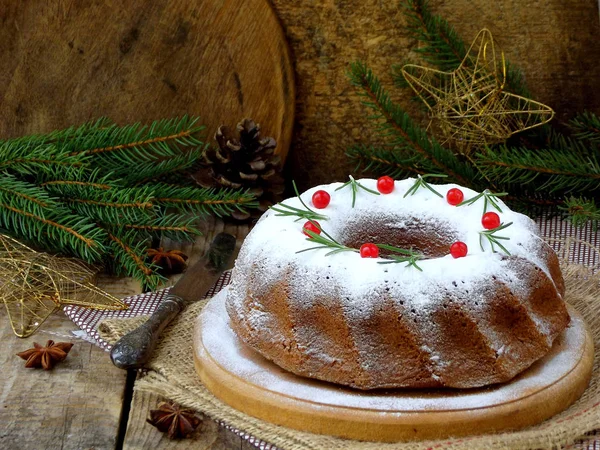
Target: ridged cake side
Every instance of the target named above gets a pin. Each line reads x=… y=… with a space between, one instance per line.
x=460 y=323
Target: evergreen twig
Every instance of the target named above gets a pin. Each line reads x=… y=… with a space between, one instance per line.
x=489 y=198
x=494 y=239
x=561 y=170
x=130 y=254
x=407 y=256
x=324 y=243
x=380 y=160
x=443 y=47
x=90 y=191
x=586 y=126
x=307 y=214
x=355 y=186
x=582 y=211
x=203 y=201
x=421 y=183
x=328 y=242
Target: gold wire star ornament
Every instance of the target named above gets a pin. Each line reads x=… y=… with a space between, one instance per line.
x=34 y=285
x=470 y=103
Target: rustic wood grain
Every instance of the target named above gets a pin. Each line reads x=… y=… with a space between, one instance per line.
x=553 y=41
x=120 y=287
x=76 y=405
x=139 y=433
x=209 y=228
x=142 y=435
x=66 y=61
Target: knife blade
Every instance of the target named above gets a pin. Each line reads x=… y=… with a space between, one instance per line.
x=135 y=349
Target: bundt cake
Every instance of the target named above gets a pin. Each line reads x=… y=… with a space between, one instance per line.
x=387 y=284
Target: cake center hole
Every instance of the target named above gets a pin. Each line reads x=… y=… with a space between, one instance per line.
x=430 y=239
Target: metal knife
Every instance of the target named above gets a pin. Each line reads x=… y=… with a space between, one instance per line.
x=134 y=349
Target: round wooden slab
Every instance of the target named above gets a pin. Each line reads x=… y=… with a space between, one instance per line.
x=65 y=62
x=245 y=380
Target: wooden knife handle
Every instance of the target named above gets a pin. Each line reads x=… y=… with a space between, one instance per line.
x=134 y=349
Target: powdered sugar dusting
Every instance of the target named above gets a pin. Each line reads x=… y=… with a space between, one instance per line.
x=278 y=239
x=270 y=255
x=223 y=346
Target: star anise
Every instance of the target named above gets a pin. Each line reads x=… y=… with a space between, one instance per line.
x=174 y=420
x=46 y=357
x=170 y=261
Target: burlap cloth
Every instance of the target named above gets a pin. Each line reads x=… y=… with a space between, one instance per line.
x=173 y=376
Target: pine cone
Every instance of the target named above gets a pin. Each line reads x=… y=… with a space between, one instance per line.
x=245 y=161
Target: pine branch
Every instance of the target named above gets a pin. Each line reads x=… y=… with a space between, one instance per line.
x=586 y=126
x=28 y=211
x=394 y=122
x=58 y=137
x=80 y=182
x=149 y=171
x=581 y=211
x=155 y=136
x=115 y=206
x=555 y=170
x=176 y=227
x=71 y=183
x=384 y=162
x=118 y=147
x=442 y=46
x=11 y=186
x=203 y=201
x=130 y=255
x=543 y=167
x=72 y=192
x=33 y=160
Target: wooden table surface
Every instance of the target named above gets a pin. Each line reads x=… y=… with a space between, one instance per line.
x=86 y=402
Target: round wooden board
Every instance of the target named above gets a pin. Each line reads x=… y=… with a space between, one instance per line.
x=65 y=62
x=250 y=383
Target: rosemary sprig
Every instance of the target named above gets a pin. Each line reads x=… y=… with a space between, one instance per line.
x=488 y=198
x=411 y=260
x=490 y=235
x=325 y=242
x=355 y=186
x=293 y=211
x=402 y=251
x=407 y=256
x=420 y=182
x=307 y=214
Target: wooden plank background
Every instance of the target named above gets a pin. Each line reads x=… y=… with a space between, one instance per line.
x=67 y=61
x=554 y=42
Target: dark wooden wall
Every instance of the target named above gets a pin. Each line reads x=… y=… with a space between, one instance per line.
x=555 y=42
